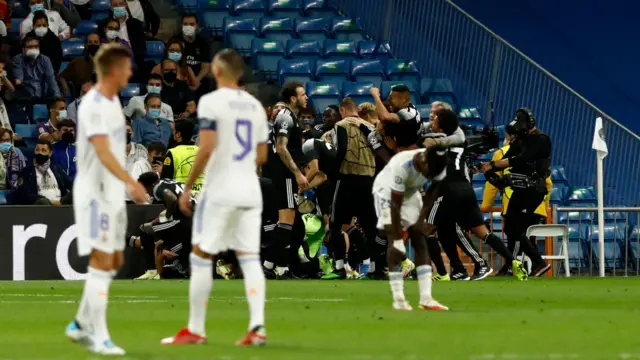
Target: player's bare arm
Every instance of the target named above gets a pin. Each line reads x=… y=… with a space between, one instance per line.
x=263 y=154
x=285 y=156
x=206 y=148
x=383 y=114
x=395 y=232
x=313 y=170
x=318 y=180
x=135 y=189
x=171 y=202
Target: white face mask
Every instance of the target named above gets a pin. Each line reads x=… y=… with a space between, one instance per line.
x=112 y=34
x=41 y=31
x=188 y=30
x=33 y=53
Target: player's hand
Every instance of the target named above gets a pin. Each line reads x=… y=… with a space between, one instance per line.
x=485 y=167
x=168 y=254
x=157 y=168
x=56 y=203
x=184 y=202
x=429 y=142
x=138 y=193
x=302 y=181
x=375 y=92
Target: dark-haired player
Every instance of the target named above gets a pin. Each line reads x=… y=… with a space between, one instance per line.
x=455 y=201
x=173 y=229
x=287 y=177
x=403 y=122
x=399 y=205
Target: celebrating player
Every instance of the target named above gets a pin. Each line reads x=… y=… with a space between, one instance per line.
x=99 y=195
x=398 y=204
x=228 y=217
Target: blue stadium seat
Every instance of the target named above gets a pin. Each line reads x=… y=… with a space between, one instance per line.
x=63 y=66
x=582 y=195
x=576 y=217
x=99 y=15
x=436 y=87
x=3 y=196
x=253 y=9
x=502 y=132
x=556 y=197
x=578 y=246
x=131 y=90
x=470 y=116
x=372 y=49
x=336 y=71
x=19 y=10
x=558 y=175
x=313 y=29
x=265 y=55
x=276 y=28
x=212 y=14
x=323 y=94
x=346 y=29
x=634 y=246
x=615 y=217
x=478 y=178
x=358 y=91
x=155 y=51
x=40 y=112
x=72 y=49
x=238 y=34
x=479 y=190
x=298 y=70
x=340 y=50
x=443 y=98
x=186 y=6
x=386 y=86
x=15 y=26
x=319 y=8
x=85 y=27
x=367 y=70
x=403 y=70
x=613 y=245
x=27 y=131
x=100 y=5
x=286 y=8
x=303 y=49
x=424 y=110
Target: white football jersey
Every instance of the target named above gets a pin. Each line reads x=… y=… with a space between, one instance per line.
x=241 y=125
x=97 y=116
x=400 y=175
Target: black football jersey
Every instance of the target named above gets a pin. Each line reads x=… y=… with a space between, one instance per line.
x=407 y=132
x=325 y=153
x=175 y=187
x=286 y=124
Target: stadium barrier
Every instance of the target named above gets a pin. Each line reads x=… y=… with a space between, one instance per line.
x=487 y=71
x=38 y=243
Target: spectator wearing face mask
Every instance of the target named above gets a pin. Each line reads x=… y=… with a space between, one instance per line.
x=67 y=11
x=176 y=92
x=196 y=50
x=80 y=70
x=307 y=120
x=135 y=107
x=175 y=51
x=152 y=127
x=50 y=44
x=43 y=182
x=135 y=152
x=14 y=160
x=6 y=93
x=33 y=72
x=64 y=151
x=131 y=29
x=112 y=34
x=72 y=109
x=50 y=130
x=57 y=25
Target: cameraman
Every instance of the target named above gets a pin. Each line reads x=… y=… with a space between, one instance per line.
x=529 y=158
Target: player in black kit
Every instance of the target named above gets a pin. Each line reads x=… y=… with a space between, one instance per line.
x=454 y=201
x=287 y=177
x=403 y=124
x=170 y=257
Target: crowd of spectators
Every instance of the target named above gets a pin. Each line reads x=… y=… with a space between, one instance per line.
x=36 y=72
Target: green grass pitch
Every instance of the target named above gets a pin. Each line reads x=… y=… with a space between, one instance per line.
x=586 y=318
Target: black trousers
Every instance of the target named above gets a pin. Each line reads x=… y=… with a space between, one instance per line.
x=520 y=215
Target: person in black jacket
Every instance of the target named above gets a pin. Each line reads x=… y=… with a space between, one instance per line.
x=49 y=42
x=42 y=183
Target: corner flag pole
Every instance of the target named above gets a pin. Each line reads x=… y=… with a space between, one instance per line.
x=600 y=146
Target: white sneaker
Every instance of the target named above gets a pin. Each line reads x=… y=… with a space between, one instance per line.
x=107 y=348
x=432 y=304
x=77 y=335
x=402 y=306
x=149 y=275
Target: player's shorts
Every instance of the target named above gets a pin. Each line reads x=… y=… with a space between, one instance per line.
x=175 y=234
x=101 y=226
x=218 y=228
x=324 y=196
x=409 y=214
x=286 y=192
x=453 y=203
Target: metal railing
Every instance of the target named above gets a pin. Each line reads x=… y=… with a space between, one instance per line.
x=487 y=71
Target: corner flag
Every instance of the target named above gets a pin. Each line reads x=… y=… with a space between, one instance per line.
x=599 y=143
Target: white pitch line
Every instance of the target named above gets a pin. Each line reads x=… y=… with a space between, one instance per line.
x=131 y=300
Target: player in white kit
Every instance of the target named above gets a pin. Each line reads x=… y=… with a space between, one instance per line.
x=233 y=140
x=99 y=195
x=398 y=204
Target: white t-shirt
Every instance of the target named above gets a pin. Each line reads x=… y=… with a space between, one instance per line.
x=48 y=187
x=98 y=116
x=56 y=25
x=241 y=124
x=400 y=175
x=136 y=9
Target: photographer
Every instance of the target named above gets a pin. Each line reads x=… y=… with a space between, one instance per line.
x=529 y=158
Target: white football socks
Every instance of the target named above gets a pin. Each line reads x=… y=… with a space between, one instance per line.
x=396 y=281
x=199 y=290
x=95 y=305
x=339 y=264
x=424 y=282
x=255 y=288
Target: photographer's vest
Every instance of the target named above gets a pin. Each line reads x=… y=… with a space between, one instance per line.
x=183 y=158
x=359 y=159
x=506 y=193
